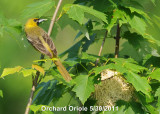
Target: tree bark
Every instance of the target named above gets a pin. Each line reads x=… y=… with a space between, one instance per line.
x=117 y=38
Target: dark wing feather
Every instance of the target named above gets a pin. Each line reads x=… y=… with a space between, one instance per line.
x=39 y=46
x=49 y=41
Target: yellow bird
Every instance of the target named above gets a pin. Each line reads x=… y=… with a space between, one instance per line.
x=43 y=43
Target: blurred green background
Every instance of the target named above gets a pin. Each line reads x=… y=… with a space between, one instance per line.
x=16 y=88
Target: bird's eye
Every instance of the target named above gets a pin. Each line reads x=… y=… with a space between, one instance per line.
x=35 y=20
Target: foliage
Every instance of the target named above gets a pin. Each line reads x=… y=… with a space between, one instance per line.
x=1 y=93
x=39 y=9
x=9 y=27
x=92 y=18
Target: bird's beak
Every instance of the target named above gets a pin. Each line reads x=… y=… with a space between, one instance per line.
x=41 y=20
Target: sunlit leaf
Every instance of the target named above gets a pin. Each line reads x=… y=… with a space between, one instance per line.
x=79 y=10
x=36 y=108
x=93 y=12
x=140 y=83
x=8 y=71
x=28 y=72
x=76 y=14
x=9 y=27
x=84 y=87
x=157 y=94
x=155 y=74
x=153 y=1
x=128 y=64
x=38 y=68
x=138 y=24
x=1 y=93
x=148 y=106
x=37 y=9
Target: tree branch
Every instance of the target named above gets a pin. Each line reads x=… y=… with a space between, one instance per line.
x=117 y=41
x=54 y=17
x=35 y=80
x=100 y=50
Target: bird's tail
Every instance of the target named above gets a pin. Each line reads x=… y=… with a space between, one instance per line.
x=62 y=70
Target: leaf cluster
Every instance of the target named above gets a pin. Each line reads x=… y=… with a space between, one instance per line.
x=93 y=18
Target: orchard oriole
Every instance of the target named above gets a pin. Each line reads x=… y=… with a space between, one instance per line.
x=43 y=43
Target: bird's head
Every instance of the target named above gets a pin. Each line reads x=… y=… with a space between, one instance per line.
x=33 y=22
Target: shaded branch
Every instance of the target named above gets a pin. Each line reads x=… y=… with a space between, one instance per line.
x=117 y=38
x=100 y=50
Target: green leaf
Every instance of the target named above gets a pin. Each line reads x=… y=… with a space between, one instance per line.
x=8 y=71
x=138 y=24
x=151 y=39
x=101 y=6
x=93 y=12
x=57 y=76
x=134 y=67
x=38 y=68
x=71 y=61
x=134 y=39
x=140 y=83
x=153 y=1
x=37 y=9
x=155 y=74
x=84 y=87
x=148 y=106
x=131 y=4
x=83 y=9
x=130 y=107
x=1 y=93
x=36 y=108
x=76 y=14
x=89 y=57
x=157 y=94
x=98 y=70
x=128 y=64
x=117 y=14
x=151 y=60
x=87 y=43
x=9 y=27
x=129 y=69
x=28 y=72
x=50 y=90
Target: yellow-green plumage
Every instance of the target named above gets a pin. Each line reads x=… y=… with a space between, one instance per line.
x=43 y=43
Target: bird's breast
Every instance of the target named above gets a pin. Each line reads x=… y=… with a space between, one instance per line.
x=33 y=32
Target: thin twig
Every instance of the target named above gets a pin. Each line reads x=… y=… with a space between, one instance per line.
x=54 y=17
x=100 y=50
x=117 y=41
x=30 y=100
x=35 y=80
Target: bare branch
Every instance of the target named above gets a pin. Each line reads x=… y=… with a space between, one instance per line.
x=30 y=100
x=54 y=17
x=100 y=50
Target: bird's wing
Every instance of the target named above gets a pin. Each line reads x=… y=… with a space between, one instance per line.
x=50 y=43
x=44 y=44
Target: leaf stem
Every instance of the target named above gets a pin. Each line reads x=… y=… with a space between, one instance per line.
x=35 y=80
x=100 y=50
x=117 y=38
x=84 y=67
